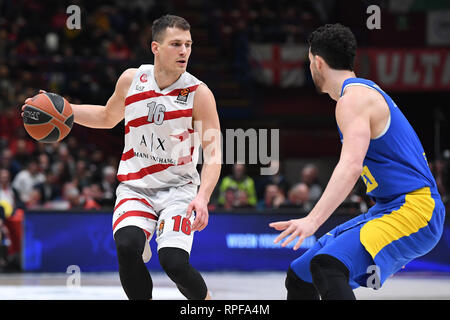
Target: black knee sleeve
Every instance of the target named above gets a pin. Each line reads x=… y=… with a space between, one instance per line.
x=297 y=289
x=175 y=262
x=134 y=276
x=330 y=277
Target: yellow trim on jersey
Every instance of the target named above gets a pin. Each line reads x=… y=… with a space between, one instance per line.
x=413 y=215
x=368 y=179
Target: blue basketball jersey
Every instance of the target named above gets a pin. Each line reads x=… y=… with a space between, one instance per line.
x=395 y=162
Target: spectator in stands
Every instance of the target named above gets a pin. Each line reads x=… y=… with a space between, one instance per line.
x=108 y=186
x=354 y=203
x=242 y=200
x=118 y=50
x=82 y=174
x=4 y=245
x=89 y=194
x=7 y=206
x=72 y=197
x=27 y=179
x=6 y=191
x=298 y=198
x=273 y=198
x=439 y=167
x=310 y=176
x=97 y=193
x=229 y=199
x=8 y=163
x=278 y=179
x=240 y=181
x=22 y=150
x=51 y=189
x=43 y=162
x=34 y=199
x=10 y=119
x=96 y=164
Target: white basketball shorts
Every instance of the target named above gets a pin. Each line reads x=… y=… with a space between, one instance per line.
x=160 y=210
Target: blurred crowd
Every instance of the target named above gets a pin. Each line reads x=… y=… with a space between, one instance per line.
x=274 y=193
x=71 y=175
x=262 y=21
x=44 y=53
x=84 y=64
x=38 y=51
x=59 y=176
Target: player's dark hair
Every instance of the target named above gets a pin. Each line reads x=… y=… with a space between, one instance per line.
x=336 y=44
x=168 y=21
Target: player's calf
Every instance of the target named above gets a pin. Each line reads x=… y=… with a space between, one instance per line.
x=175 y=262
x=297 y=289
x=330 y=277
x=134 y=276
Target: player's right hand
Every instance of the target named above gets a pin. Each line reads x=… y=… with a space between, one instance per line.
x=200 y=206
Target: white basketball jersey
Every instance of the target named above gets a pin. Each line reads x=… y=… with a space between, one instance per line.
x=160 y=150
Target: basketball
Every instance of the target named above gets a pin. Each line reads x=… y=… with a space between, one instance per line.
x=48 y=117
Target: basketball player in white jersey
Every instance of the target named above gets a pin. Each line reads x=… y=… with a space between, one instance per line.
x=159 y=180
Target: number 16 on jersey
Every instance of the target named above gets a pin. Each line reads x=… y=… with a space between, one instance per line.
x=155 y=113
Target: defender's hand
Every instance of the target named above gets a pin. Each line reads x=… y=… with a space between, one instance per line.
x=303 y=228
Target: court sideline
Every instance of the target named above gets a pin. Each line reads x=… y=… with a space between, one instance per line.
x=223 y=286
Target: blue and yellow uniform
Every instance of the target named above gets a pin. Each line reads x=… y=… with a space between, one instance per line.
x=407 y=220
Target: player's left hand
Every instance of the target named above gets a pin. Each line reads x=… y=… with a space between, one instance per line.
x=302 y=228
x=200 y=206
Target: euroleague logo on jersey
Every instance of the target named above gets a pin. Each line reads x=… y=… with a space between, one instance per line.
x=183 y=95
x=143 y=77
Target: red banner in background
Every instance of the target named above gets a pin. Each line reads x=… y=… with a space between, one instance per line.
x=279 y=65
x=398 y=69
x=405 y=69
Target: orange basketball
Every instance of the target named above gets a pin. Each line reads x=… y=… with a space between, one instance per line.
x=48 y=117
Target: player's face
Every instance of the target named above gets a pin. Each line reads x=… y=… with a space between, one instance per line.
x=175 y=49
x=316 y=76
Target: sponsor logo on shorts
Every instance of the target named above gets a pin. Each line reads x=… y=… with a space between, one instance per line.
x=161 y=228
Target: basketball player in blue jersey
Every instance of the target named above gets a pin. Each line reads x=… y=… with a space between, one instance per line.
x=378 y=144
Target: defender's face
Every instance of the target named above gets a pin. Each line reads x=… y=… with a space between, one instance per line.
x=174 y=50
x=315 y=74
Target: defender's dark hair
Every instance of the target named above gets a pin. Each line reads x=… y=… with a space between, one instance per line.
x=168 y=21
x=336 y=44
